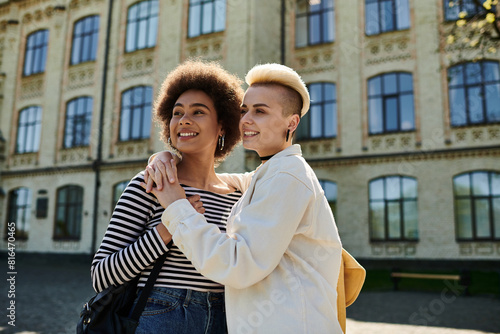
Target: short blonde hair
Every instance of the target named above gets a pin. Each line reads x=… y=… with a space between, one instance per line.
x=281 y=75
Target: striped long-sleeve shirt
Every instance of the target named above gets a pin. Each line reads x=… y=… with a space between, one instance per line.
x=131 y=244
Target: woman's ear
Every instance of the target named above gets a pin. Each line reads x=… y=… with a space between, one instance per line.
x=293 y=122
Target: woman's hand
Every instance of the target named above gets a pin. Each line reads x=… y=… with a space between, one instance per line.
x=170 y=192
x=152 y=173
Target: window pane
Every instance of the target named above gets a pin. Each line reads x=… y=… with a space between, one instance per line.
x=493 y=103
x=391 y=114
x=392 y=187
x=405 y=83
x=491 y=71
x=220 y=15
x=328 y=26
x=330 y=92
x=142 y=34
x=330 y=113
x=407 y=115
x=387 y=16
x=377 y=189
x=131 y=31
x=394 y=220
x=314 y=29
x=375 y=115
x=495 y=184
x=146 y=122
x=410 y=220
x=456 y=75
x=461 y=185
x=207 y=23
x=480 y=184
x=301 y=31
x=371 y=19
x=153 y=28
x=303 y=128
x=136 y=123
x=194 y=20
x=390 y=83
x=496 y=217
x=330 y=189
x=482 y=213
x=316 y=93
x=409 y=188
x=377 y=218
x=375 y=86
x=316 y=122
x=475 y=105
x=124 y=124
x=402 y=14
x=464 y=221
x=457 y=107
x=473 y=73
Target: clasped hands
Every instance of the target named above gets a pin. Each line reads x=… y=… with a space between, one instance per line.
x=160 y=179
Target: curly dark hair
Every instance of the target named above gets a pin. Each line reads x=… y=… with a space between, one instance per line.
x=221 y=86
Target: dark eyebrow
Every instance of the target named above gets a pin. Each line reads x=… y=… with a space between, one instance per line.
x=192 y=105
x=256 y=105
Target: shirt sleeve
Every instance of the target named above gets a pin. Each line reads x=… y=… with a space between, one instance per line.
x=260 y=235
x=128 y=247
x=236 y=180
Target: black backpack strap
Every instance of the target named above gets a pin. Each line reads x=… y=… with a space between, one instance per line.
x=141 y=303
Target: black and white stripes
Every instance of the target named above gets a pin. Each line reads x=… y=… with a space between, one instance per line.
x=131 y=244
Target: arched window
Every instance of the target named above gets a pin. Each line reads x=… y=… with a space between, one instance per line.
x=206 y=17
x=29 y=130
x=78 y=122
x=315 y=22
x=474 y=93
x=142 y=25
x=330 y=189
x=393 y=209
x=321 y=120
x=35 y=55
x=19 y=211
x=477 y=205
x=135 y=118
x=68 y=222
x=390 y=103
x=85 y=38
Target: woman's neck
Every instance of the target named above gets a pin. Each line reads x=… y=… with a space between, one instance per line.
x=197 y=172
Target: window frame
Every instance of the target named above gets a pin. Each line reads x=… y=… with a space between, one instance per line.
x=71 y=127
x=323 y=13
x=26 y=130
x=401 y=201
x=151 y=22
x=379 y=21
x=304 y=132
x=333 y=203
x=35 y=56
x=199 y=18
x=386 y=97
x=472 y=199
x=132 y=109
x=116 y=197
x=89 y=38
x=72 y=212
x=465 y=88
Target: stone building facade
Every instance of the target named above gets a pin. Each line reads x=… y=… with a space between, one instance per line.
x=405 y=140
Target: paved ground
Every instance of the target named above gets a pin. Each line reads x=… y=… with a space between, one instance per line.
x=49 y=297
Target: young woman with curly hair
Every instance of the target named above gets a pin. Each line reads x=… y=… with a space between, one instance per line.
x=198 y=109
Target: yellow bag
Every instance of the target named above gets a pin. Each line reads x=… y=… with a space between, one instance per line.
x=351 y=279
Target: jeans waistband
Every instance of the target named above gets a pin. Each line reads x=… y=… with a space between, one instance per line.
x=188 y=295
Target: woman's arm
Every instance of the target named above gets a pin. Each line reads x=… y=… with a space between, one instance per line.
x=259 y=237
x=128 y=247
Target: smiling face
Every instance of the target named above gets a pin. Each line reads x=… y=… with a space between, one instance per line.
x=194 y=126
x=263 y=124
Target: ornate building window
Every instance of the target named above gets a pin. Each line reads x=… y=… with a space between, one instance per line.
x=315 y=22
x=135 y=118
x=206 y=17
x=470 y=7
x=117 y=191
x=393 y=209
x=85 y=39
x=474 y=93
x=142 y=25
x=19 y=212
x=477 y=206
x=386 y=15
x=68 y=223
x=390 y=103
x=35 y=55
x=29 y=130
x=330 y=189
x=321 y=120
x=78 y=122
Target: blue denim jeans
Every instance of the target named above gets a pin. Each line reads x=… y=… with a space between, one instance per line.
x=179 y=311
